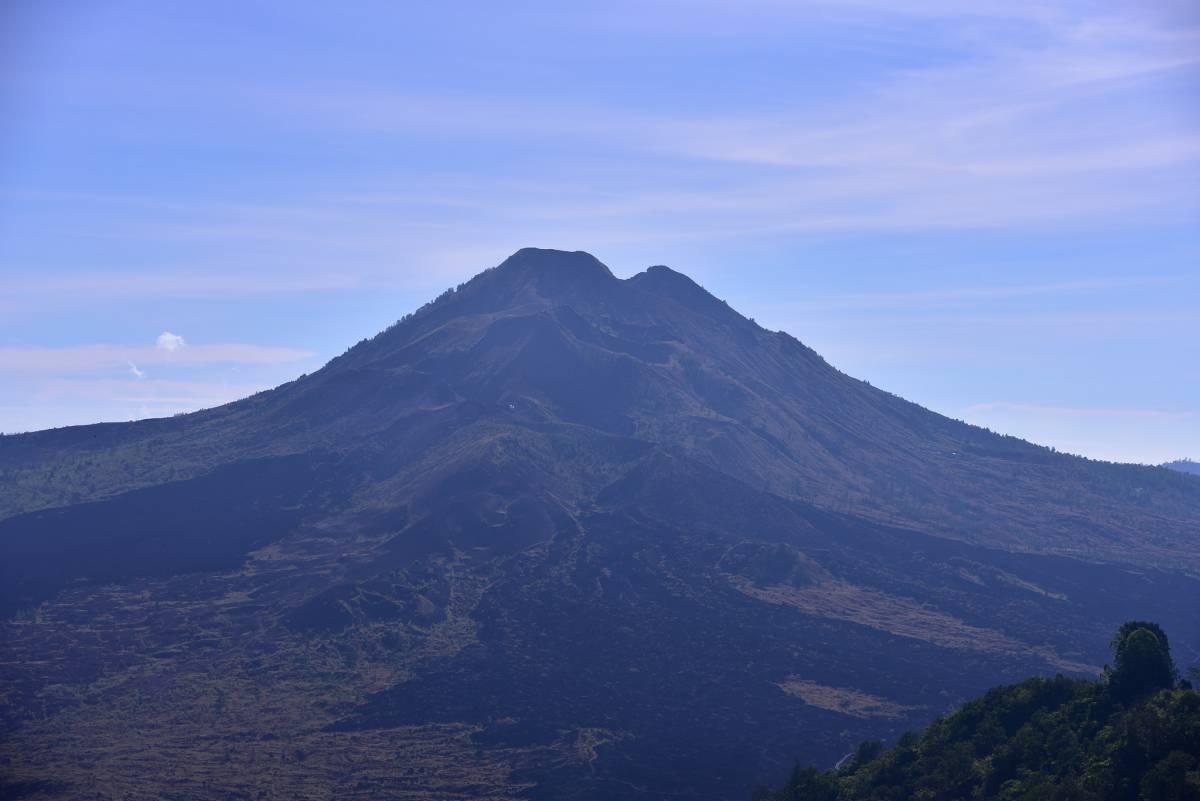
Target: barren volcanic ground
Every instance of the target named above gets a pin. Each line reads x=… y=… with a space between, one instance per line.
x=556 y=535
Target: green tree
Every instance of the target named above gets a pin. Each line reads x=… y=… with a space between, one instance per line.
x=866 y=751
x=1172 y=779
x=1141 y=661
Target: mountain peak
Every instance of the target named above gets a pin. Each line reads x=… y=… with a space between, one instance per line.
x=557 y=265
x=662 y=277
x=663 y=281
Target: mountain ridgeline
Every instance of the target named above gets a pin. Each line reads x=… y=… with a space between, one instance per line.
x=1184 y=466
x=1133 y=736
x=554 y=535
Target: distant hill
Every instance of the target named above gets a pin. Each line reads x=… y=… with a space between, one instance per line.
x=1184 y=466
x=555 y=535
x=1133 y=737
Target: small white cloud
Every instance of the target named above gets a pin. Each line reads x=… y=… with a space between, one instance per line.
x=170 y=342
x=135 y=372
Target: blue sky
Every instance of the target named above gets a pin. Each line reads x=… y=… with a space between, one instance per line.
x=990 y=208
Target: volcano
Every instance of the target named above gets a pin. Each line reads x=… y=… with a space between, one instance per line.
x=555 y=535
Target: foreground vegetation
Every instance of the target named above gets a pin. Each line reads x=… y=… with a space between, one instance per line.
x=1134 y=735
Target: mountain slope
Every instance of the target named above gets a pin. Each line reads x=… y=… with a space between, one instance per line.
x=555 y=534
x=658 y=359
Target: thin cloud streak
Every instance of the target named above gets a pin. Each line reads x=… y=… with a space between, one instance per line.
x=191 y=393
x=948 y=296
x=1019 y=135
x=67 y=401
x=98 y=358
x=1078 y=412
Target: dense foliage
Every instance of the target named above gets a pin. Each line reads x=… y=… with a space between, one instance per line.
x=1132 y=736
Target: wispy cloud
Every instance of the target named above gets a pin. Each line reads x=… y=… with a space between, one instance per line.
x=1077 y=411
x=178 y=394
x=178 y=282
x=99 y=358
x=976 y=295
x=1057 y=114
x=76 y=401
x=1150 y=435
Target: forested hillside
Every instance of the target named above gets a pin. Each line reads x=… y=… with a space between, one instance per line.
x=1132 y=736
